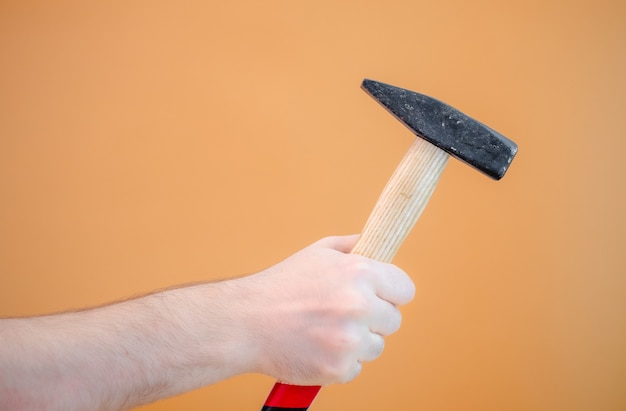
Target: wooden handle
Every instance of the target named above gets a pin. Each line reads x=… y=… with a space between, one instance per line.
x=402 y=201
x=399 y=206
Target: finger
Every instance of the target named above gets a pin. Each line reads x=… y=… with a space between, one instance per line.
x=385 y=318
x=343 y=244
x=352 y=373
x=373 y=349
x=394 y=285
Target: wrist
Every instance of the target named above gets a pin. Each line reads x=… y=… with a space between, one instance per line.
x=219 y=322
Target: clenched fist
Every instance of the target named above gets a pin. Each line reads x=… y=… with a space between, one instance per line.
x=322 y=312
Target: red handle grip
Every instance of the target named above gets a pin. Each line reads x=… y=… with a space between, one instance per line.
x=290 y=397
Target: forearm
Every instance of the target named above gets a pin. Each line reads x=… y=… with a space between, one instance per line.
x=123 y=355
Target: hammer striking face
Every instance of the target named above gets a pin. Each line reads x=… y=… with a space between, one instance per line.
x=447 y=128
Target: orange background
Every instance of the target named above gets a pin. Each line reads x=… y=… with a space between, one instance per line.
x=150 y=143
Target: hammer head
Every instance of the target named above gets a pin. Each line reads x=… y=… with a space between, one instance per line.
x=447 y=128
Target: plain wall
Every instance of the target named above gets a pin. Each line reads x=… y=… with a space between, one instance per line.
x=150 y=143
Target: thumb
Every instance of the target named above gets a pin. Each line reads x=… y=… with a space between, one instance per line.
x=343 y=244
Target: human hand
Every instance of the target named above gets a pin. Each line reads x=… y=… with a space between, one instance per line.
x=316 y=316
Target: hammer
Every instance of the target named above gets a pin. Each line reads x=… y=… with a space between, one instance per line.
x=444 y=132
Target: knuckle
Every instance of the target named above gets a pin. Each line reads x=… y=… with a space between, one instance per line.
x=347 y=341
x=354 y=305
x=360 y=306
x=343 y=348
x=361 y=266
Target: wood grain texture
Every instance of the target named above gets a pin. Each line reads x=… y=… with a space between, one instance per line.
x=402 y=201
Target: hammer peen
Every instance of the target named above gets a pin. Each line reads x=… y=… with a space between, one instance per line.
x=443 y=132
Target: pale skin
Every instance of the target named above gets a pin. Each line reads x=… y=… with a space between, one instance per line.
x=312 y=319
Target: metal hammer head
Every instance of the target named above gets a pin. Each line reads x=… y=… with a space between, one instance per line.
x=447 y=128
